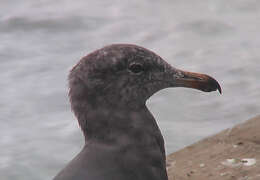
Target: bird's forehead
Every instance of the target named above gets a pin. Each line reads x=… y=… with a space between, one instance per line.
x=117 y=57
x=127 y=53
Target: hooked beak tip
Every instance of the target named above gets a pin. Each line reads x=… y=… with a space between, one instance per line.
x=198 y=81
x=214 y=85
x=219 y=88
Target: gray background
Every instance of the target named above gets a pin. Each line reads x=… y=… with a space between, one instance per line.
x=42 y=40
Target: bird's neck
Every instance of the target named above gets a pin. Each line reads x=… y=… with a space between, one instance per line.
x=118 y=123
x=113 y=124
x=132 y=131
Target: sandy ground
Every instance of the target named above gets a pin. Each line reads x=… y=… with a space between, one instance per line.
x=233 y=154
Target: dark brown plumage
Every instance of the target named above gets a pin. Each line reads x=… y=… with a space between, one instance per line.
x=108 y=91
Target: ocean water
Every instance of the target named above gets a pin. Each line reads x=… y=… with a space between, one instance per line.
x=41 y=40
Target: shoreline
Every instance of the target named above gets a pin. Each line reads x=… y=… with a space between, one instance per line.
x=232 y=154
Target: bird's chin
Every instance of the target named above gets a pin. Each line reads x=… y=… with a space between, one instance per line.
x=154 y=86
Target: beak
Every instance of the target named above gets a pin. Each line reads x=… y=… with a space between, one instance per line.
x=198 y=81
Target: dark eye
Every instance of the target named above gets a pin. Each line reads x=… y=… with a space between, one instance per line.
x=136 y=68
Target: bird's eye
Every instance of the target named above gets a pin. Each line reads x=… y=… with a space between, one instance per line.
x=136 y=68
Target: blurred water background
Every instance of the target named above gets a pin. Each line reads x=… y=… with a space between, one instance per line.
x=41 y=40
